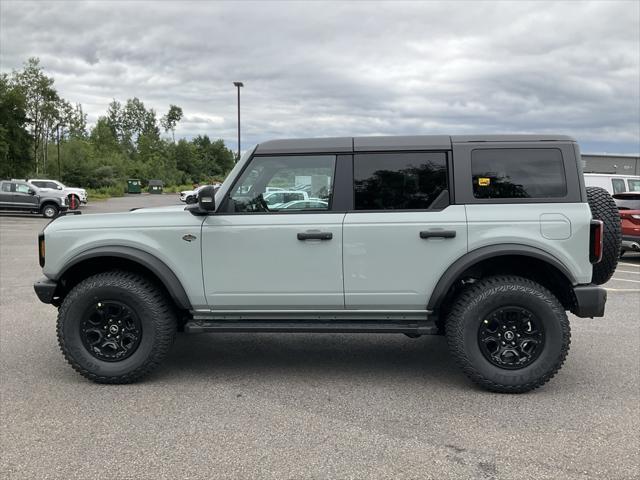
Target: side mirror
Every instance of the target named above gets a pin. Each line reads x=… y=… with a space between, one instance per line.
x=60 y=188
x=206 y=202
x=207 y=199
x=31 y=191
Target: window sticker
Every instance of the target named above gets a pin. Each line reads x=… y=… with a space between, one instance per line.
x=484 y=182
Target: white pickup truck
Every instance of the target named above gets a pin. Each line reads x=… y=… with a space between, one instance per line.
x=76 y=196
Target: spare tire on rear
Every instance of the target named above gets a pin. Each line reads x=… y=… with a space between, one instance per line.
x=604 y=208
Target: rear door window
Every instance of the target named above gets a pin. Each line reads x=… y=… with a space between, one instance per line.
x=398 y=181
x=518 y=173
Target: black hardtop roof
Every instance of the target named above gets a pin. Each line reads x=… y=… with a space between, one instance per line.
x=384 y=143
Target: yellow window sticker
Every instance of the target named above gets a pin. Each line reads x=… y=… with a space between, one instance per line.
x=484 y=182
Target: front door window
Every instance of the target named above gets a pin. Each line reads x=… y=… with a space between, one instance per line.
x=287 y=183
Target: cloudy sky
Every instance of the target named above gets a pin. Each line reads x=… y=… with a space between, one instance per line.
x=339 y=68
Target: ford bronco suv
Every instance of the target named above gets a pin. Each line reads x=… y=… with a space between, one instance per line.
x=488 y=240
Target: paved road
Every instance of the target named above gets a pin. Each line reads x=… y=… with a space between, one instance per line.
x=308 y=406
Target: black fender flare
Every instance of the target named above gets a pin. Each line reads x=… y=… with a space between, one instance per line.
x=483 y=253
x=145 y=259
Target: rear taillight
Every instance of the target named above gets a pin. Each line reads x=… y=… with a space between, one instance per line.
x=41 y=249
x=596 y=236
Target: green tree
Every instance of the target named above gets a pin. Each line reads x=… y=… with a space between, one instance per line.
x=41 y=98
x=15 y=140
x=213 y=159
x=171 y=119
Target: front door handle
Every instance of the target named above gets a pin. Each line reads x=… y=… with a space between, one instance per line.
x=315 y=236
x=438 y=234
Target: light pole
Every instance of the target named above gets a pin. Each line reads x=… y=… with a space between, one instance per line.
x=238 y=85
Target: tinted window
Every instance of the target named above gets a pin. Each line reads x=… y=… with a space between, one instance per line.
x=6 y=187
x=40 y=184
x=398 y=181
x=271 y=184
x=518 y=173
x=618 y=185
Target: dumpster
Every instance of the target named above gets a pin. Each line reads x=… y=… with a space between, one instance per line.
x=134 y=186
x=155 y=186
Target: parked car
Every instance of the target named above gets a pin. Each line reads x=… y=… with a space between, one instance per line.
x=20 y=196
x=629 y=207
x=488 y=239
x=274 y=199
x=613 y=183
x=189 y=196
x=184 y=194
x=76 y=196
x=312 y=203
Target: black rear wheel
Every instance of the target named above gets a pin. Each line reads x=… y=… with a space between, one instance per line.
x=509 y=334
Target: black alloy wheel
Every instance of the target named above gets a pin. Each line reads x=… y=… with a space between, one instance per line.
x=511 y=337
x=110 y=331
x=508 y=333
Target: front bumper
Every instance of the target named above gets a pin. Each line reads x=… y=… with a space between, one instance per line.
x=590 y=300
x=45 y=289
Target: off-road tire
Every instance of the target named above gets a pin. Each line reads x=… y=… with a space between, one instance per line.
x=156 y=315
x=478 y=300
x=604 y=208
x=50 y=210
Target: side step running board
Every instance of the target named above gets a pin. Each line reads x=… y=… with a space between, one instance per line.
x=311 y=326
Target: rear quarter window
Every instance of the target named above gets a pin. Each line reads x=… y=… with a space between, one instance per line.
x=518 y=173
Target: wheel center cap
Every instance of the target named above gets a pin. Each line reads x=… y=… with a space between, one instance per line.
x=113 y=329
x=508 y=335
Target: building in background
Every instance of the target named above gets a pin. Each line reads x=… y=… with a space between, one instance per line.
x=612 y=164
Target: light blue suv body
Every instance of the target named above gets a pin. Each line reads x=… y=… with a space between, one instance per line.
x=400 y=228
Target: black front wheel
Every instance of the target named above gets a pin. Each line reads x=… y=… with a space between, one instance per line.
x=50 y=210
x=115 y=327
x=509 y=334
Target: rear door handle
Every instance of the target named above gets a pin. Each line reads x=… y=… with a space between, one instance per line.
x=438 y=234
x=315 y=236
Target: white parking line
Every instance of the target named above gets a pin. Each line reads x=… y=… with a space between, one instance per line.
x=624 y=280
x=622 y=290
x=628 y=271
x=629 y=264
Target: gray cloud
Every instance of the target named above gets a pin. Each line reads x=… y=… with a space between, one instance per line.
x=319 y=69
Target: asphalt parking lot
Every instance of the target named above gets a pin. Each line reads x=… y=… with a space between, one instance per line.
x=308 y=406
